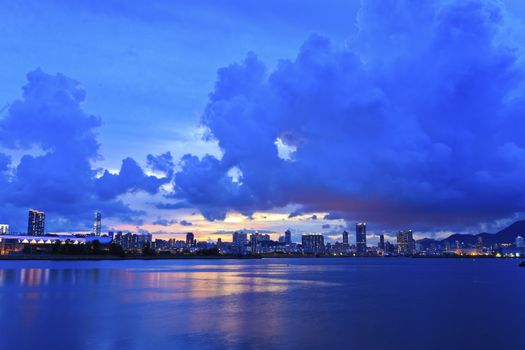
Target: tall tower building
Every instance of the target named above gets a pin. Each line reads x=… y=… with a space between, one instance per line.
x=345 y=237
x=381 y=244
x=287 y=237
x=190 y=239
x=360 y=238
x=36 y=223
x=405 y=243
x=97 y=223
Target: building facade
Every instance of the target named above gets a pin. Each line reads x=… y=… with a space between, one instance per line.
x=360 y=238
x=36 y=223
x=313 y=244
x=405 y=243
x=97 y=223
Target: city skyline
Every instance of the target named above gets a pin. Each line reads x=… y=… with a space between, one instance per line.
x=443 y=158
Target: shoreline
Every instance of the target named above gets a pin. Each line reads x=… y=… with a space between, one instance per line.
x=219 y=257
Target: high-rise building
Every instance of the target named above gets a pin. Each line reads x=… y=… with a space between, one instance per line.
x=405 y=243
x=190 y=239
x=345 y=237
x=254 y=242
x=520 y=242
x=479 y=244
x=240 y=240
x=287 y=237
x=360 y=238
x=313 y=243
x=381 y=244
x=97 y=223
x=36 y=223
x=4 y=229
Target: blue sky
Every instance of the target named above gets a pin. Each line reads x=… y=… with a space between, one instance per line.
x=400 y=114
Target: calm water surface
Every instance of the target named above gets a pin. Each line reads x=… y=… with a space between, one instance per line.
x=265 y=304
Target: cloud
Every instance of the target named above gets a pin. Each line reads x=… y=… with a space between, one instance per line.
x=325 y=226
x=415 y=121
x=333 y=216
x=131 y=178
x=163 y=163
x=164 y=222
x=58 y=140
x=294 y=214
x=313 y=217
x=185 y=223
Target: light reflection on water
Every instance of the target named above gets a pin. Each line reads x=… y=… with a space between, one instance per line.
x=303 y=303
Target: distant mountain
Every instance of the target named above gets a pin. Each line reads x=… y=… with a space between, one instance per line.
x=507 y=235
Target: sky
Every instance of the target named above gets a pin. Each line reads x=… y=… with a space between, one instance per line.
x=215 y=116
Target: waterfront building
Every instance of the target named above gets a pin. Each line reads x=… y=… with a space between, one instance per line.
x=190 y=239
x=239 y=242
x=381 y=244
x=4 y=229
x=479 y=244
x=97 y=223
x=520 y=242
x=254 y=242
x=405 y=243
x=360 y=238
x=287 y=237
x=345 y=237
x=36 y=223
x=313 y=243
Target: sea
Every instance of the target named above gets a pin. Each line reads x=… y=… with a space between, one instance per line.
x=291 y=303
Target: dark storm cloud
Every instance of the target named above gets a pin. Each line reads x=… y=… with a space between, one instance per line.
x=60 y=142
x=417 y=120
x=131 y=178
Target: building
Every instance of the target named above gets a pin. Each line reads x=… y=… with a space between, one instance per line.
x=381 y=244
x=254 y=242
x=479 y=244
x=36 y=223
x=313 y=243
x=190 y=239
x=360 y=238
x=97 y=223
x=520 y=242
x=4 y=229
x=240 y=240
x=345 y=237
x=287 y=237
x=405 y=243
x=13 y=244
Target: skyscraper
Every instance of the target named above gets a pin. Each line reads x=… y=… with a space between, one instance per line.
x=190 y=238
x=36 y=223
x=381 y=244
x=4 y=229
x=287 y=237
x=97 y=223
x=313 y=243
x=405 y=243
x=345 y=237
x=360 y=238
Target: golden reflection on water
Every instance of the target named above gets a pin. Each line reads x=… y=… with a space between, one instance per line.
x=217 y=281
